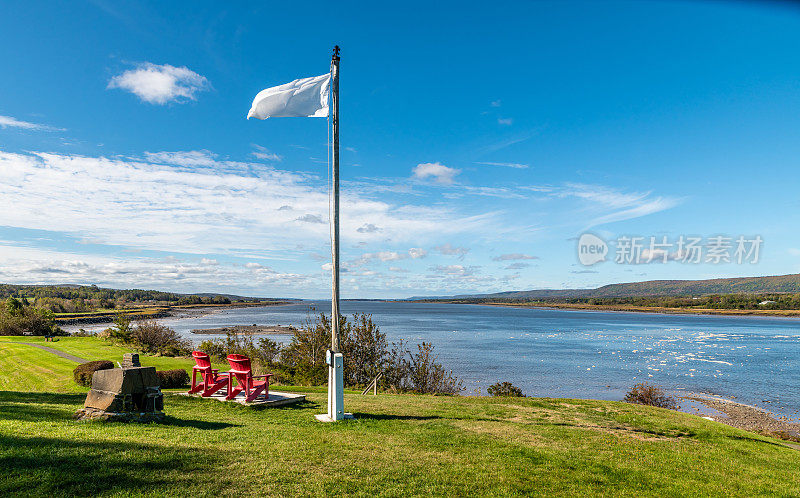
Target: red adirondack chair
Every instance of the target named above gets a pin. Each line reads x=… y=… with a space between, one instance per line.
x=243 y=373
x=211 y=380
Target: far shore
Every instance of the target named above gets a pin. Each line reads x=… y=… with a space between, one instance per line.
x=248 y=330
x=642 y=309
x=156 y=312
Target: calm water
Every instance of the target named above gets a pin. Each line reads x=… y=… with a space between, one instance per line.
x=584 y=354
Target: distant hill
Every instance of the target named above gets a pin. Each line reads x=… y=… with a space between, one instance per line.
x=73 y=291
x=741 y=285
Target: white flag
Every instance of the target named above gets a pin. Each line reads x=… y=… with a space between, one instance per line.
x=306 y=97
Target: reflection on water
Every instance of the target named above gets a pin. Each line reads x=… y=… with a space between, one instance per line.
x=584 y=354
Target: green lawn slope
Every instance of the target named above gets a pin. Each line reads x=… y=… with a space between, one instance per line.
x=398 y=445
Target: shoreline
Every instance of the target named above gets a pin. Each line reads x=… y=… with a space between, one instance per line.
x=742 y=416
x=159 y=312
x=790 y=314
x=247 y=330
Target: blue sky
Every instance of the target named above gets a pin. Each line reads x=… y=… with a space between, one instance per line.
x=478 y=143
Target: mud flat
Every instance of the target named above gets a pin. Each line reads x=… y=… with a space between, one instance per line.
x=248 y=330
x=748 y=417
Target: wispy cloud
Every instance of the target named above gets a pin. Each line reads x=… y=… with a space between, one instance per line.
x=311 y=218
x=508 y=142
x=368 y=228
x=160 y=84
x=513 y=257
x=160 y=203
x=455 y=270
x=438 y=172
x=450 y=250
x=10 y=122
x=624 y=205
x=188 y=158
x=614 y=204
x=507 y=165
x=505 y=121
x=26 y=265
x=265 y=154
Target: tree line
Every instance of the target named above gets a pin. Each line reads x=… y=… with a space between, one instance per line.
x=765 y=301
x=77 y=299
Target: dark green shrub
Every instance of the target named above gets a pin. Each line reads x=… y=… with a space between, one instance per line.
x=18 y=319
x=121 y=331
x=506 y=389
x=151 y=337
x=83 y=372
x=650 y=395
x=418 y=372
x=173 y=378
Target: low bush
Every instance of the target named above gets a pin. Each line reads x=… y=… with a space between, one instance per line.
x=83 y=372
x=418 y=372
x=505 y=389
x=650 y=395
x=173 y=378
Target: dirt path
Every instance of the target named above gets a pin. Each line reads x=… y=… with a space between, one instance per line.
x=56 y=352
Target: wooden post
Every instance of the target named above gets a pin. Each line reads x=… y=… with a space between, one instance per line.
x=335 y=242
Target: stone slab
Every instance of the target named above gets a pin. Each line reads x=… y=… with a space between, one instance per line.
x=125 y=380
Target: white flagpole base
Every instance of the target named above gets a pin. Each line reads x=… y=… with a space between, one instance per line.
x=335 y=390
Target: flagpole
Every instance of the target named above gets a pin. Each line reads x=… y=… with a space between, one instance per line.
x=335 y=244
x=334 y=357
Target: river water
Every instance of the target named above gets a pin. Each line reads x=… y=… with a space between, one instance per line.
x=580 y=354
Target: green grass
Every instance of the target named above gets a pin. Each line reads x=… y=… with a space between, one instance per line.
x=398 y=445
x=44 y=371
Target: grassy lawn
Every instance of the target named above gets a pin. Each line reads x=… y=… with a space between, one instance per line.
x=398 y=445
x=47 y=372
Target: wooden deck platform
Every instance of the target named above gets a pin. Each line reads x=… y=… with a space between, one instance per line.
x=275 y=399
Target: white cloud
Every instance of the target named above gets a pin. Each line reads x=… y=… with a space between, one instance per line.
x=10 y=122
x=517 y=266
x=368 y=228
x=264 y=154
x=183 y=158
x=160 y=84
x=505 y=121
x=455 y=270
x=215 y=207
x=311 y=218
x=439 y=173
x=496 y=103
x=386 y=256
x=26 y=265
x=624 y=206
x=450 y=250
x=513 y=257
x=507 y=165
